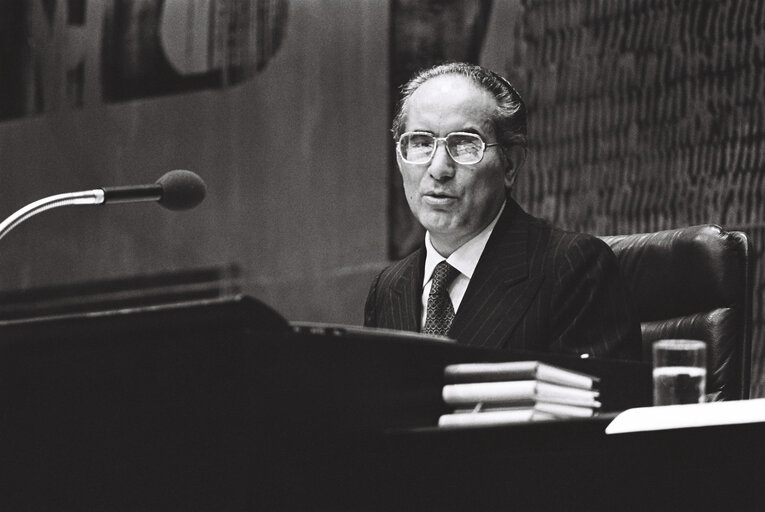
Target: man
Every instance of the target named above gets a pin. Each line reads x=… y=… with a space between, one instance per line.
x=509 y=280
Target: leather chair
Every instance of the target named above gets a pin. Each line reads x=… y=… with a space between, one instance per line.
x=695 y=283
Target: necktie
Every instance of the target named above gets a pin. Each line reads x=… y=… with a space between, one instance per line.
x=440 y=310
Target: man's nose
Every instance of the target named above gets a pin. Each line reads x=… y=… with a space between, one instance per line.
x=442 y=165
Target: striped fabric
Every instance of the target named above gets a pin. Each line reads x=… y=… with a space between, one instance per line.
x=535 y=288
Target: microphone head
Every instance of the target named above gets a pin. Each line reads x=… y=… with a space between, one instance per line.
x=181 y=190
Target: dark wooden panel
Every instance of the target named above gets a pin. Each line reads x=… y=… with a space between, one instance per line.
x=124 y=292
x=219 y=405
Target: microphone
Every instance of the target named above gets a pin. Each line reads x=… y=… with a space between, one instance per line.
x=175 y=190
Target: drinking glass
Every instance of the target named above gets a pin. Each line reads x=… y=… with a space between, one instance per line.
x=679 y=372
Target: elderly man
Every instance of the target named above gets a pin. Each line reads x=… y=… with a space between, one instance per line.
x=489 y=274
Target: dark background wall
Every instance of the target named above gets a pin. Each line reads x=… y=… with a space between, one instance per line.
x=281 y=106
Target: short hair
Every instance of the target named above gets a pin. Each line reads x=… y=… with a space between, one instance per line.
x=509 y=120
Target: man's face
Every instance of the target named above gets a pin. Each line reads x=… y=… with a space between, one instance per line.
x=454 y=202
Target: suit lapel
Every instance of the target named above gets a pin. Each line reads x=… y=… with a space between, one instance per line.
x=406 y=293
x=500 y=290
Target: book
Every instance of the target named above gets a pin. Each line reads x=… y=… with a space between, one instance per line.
x=520 y=415
x=509 y=415
x=558 y=410
x=519 y=392
x=518 y=370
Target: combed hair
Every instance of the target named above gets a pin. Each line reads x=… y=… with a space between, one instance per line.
x=509 y=120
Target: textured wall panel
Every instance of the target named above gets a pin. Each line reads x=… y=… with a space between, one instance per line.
x=645 y=115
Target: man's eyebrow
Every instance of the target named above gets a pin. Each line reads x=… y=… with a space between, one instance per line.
x=474 y=131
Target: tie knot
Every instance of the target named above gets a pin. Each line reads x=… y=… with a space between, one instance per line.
x=443 y=275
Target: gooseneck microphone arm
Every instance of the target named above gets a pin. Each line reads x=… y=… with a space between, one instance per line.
x=95 y=196
x=176 y=190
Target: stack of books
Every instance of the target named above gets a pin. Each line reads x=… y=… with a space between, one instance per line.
x=513 y=392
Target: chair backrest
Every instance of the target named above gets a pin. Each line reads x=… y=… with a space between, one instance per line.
x=695 y=283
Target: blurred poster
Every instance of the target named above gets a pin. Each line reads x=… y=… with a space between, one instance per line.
x=69 y=53
x=154 y=47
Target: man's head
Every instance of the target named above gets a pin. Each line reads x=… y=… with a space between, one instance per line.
x=456 y=186
x=509 y=118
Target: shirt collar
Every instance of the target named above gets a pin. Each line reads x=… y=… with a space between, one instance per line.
x=466 y=257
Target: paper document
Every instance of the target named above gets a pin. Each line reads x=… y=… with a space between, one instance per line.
x=690 y=415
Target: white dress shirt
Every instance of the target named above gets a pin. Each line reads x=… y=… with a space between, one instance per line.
x=463 y=259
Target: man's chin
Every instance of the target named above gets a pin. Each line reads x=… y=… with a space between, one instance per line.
x=440 y=223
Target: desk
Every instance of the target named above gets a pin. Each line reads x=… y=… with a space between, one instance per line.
x=213 y=407
x=572 y=465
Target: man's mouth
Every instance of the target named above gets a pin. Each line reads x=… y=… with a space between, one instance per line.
x=438 y=198
x=440 y=195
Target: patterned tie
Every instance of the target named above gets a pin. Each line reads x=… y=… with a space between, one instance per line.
x=440 y=310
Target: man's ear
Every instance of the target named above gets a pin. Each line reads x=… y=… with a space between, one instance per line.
x=515 y=157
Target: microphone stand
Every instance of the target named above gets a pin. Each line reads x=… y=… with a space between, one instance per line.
x=175 y=190
x=95 y=196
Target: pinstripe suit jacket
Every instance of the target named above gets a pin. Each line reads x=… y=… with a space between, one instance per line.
x=535 y=288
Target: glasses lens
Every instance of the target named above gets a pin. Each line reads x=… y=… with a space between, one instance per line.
x=416 y=148
x=465 y=148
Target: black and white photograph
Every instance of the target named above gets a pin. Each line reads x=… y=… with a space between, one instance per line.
x=378 y=255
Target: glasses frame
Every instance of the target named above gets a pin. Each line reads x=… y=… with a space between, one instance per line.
x=484 y=145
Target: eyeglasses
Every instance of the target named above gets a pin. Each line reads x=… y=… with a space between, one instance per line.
x=464 y=148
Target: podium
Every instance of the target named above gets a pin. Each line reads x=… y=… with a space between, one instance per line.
x=224 y=405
